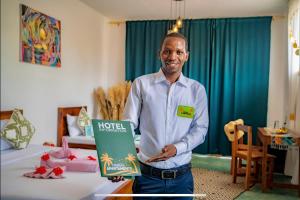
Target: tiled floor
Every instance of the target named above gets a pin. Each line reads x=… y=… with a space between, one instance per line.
x=223 y=164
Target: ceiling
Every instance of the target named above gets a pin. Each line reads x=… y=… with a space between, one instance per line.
x=195 y=9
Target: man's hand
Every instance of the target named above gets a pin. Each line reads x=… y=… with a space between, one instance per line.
x=137 y=149
x=167 y=152
x=116 y=178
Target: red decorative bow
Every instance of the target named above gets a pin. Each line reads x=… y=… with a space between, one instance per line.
x=72 y=157
x=40 y=170
x=45 y=157
x=57 y=171
x=91 y=158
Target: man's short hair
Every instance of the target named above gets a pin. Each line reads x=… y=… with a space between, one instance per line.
x=176 y=35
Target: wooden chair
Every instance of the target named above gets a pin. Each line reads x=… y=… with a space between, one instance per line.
x=251 y=154
x=229 y=131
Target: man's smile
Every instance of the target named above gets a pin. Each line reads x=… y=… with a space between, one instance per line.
x=171 y=63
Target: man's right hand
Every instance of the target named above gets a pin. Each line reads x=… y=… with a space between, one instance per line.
x=167 y=152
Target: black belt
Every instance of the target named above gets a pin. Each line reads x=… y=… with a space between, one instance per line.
x=165 y=173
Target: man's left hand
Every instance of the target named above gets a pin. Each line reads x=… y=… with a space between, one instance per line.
x=167 y=152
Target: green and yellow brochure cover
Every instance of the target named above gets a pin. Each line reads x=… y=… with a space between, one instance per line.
x=115 y=148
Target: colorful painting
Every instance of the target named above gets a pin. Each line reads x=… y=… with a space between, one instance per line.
x=40 y=38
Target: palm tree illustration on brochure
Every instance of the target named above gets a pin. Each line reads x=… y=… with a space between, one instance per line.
x=107 y=161
x=131 y=159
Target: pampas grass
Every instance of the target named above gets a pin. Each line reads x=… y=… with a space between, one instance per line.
x=111 y=106
x=101 y=102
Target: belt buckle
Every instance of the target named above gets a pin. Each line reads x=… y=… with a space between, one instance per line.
x=164 y=172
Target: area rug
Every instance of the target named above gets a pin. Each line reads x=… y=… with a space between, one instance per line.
x=216 y=185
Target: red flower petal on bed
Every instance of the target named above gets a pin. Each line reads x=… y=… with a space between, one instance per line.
x=58 y=171
x=45 y=157
x=72 y=157
x=91 y=158
x=40 y=170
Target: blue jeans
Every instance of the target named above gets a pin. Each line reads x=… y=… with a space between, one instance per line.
x=146 y=184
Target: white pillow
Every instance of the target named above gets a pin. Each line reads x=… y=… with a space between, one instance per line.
x=73 y=127
x=4 y=144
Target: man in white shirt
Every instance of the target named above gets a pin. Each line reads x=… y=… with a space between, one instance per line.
x=171 y=111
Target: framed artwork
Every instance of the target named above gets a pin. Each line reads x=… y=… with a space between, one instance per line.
x=40 y=38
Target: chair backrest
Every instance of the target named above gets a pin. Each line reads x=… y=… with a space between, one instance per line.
x=229 y=129
x=238 y=143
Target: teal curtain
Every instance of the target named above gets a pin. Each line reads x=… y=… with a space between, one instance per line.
x=230 y=57
x=239 y=76
x=142 y=47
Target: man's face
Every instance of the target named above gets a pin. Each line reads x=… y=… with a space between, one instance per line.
x=173 y=55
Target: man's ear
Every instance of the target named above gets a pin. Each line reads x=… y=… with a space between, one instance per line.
x=158 y=55
x=187 y=56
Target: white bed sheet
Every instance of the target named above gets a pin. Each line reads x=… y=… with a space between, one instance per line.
x=12 y=155
x=91 y=140
x=75 y=185
x=80 y=139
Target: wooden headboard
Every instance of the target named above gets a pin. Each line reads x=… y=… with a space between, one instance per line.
x=7 y=114
x=62 y=126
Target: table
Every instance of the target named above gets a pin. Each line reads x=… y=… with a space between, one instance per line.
x=266 y=139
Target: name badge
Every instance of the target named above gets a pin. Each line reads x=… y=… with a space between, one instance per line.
x=185 y=111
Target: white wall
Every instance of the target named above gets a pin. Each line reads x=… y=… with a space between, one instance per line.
x=40 y=90
x=114 y=52
x=278 y=85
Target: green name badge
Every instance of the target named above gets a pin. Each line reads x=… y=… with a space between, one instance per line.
x=185 y=111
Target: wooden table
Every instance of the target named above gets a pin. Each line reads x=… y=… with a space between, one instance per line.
x=125 y=188
x=266 y=140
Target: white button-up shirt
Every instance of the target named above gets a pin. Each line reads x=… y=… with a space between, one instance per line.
x=153 y=103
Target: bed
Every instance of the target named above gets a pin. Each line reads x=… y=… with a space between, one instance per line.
x=75 y=185
x=76 y=141
x=62 y=129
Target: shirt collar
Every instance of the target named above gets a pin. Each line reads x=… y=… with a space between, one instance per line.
x=160 y=77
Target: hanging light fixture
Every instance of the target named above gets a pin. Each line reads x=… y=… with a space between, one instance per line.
x=177 y=12
x=175 y=28
x=179 y=22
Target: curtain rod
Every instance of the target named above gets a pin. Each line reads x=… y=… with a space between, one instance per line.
x=278 y=17
x=118 y=23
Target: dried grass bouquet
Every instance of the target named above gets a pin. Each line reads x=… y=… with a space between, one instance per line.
x=111 y=105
